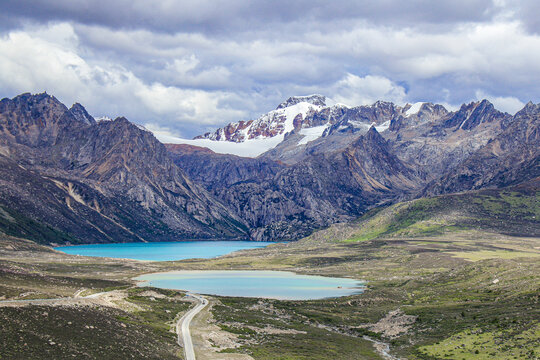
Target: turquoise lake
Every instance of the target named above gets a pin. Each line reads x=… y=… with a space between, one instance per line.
x=163 y=251
x=265 y=284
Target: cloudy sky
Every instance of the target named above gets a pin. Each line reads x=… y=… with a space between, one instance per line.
x=185 y=67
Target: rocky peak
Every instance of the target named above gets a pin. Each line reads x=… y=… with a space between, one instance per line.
x=122 y=120
x=32 y=120
x=28 y=106
x=80 y=114
x=471 y=115
x=359 y=119
x=373 y=134
x=386 y=105
x=417 y=114
x=316 y=99
x=372 y=139
x=529 y=109
x=432 y=110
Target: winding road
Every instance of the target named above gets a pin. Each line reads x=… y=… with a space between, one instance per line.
x=182 y=326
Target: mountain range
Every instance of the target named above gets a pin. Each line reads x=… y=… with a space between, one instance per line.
x=67 y=178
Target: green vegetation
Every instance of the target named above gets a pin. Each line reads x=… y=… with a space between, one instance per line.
x=82 y=332
x=159 y=309
x=477 y=344
x=15 y=224
x=272 y=329
x=493 y=254
x=509 y=212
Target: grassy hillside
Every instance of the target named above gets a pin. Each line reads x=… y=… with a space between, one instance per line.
x=514 y=211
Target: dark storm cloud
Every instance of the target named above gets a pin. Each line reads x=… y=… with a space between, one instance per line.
x=224 y=16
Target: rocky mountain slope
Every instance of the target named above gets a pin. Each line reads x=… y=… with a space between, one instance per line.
x=364 y=156
x=100 y=181
x=67 y=177
x=289 y=201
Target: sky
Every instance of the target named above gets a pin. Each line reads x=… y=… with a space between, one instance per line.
x=182 y=68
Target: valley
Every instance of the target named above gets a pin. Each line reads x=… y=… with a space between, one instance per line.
x=432 y=291
x=256 y=180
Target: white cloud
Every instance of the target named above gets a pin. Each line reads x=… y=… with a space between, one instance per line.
x=187 y=72
x=507 y=104
x=354 y=90
x=191 y=81
x=462 y=58
x=34 y=63
x=187 y=105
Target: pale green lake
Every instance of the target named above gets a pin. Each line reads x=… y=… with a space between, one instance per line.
x=254 y=283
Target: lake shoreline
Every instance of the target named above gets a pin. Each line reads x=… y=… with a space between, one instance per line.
x=270 y=284
x=162 y=251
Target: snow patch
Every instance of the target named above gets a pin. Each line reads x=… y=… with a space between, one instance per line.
x=248 y=148
x=312 y=133
x=142 y=128
x=360 y=124
x=103 y=118
x=291 y=112
x=383 y=127
x=414 y=109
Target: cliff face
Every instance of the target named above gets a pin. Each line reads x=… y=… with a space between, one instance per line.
x=215 y=171
x=114 y=170
x=510 y=158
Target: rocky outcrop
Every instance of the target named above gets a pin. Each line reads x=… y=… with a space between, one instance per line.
x=474 y=114
x=435 y=141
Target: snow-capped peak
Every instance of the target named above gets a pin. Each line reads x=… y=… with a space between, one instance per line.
x=274 y=123
x=315 y=99
x=414 y=109
x=254 y=137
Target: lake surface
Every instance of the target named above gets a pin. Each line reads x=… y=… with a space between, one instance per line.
x=265 y=284
x=163 y=251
